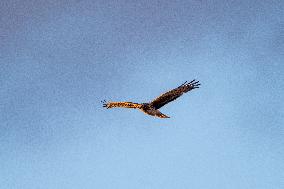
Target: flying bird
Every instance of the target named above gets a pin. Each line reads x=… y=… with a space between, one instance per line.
x=152 y=108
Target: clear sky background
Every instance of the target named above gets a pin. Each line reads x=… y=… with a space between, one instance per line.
x=59 y=59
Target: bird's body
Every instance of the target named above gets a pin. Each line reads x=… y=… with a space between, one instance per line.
x=152 y=107
x=149 y=109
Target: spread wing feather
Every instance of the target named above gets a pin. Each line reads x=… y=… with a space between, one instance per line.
x=121 y=105
x=174 y=94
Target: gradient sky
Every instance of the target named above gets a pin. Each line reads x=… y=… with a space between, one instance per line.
x=59 y=59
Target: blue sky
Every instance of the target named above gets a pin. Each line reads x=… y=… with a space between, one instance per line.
x=59 y=59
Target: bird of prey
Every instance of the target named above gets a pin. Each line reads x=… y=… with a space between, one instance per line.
x=151 y=108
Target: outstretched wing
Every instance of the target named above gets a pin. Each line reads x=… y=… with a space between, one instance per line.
x=174 y=94
x=121 y=105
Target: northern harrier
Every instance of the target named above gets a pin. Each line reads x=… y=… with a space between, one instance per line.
x=151 y=108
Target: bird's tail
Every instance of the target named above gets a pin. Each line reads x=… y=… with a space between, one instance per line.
x=160 y=115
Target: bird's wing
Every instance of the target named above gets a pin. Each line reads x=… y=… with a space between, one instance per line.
x=174 y=94
x=121 y=104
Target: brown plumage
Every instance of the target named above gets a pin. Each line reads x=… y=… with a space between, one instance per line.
x=151 y=108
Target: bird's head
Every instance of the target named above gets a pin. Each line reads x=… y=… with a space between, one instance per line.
x=145 y=105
